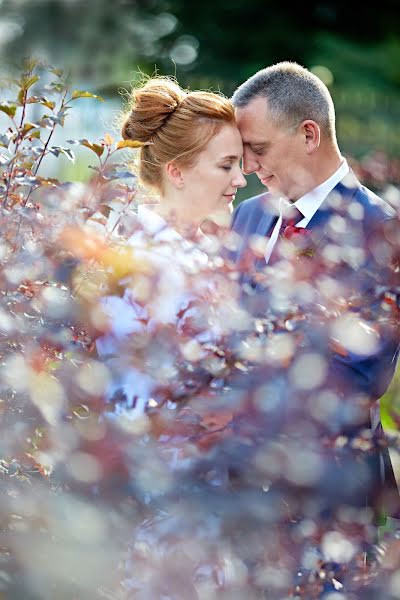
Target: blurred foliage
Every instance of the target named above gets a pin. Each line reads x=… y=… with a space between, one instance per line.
x=87 y=493
x=49 y=391
x=390 y=405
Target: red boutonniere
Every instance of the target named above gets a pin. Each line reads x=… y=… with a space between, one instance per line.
x=301 y=237
x=291 y=231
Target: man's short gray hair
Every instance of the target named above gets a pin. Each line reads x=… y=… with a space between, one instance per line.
x=293 y=94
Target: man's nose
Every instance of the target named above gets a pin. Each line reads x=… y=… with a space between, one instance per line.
x=249 y=165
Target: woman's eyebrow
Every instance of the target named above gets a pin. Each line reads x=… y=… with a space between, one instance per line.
x=230 y=157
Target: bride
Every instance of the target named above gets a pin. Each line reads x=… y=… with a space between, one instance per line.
x=190 y=157
x=191 y=151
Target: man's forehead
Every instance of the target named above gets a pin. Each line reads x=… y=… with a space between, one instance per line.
x=254 y=128
x=255 y=105
x=252 y=118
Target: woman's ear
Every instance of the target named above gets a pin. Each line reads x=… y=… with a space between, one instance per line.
x=312 y=135
x=174 y=174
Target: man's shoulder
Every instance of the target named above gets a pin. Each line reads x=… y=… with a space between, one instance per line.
x=249 y=213
x=255 y=206
x=255 y=203
x=361 y=201
x=374 y=204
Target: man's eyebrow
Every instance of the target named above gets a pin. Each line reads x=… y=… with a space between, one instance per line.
x=255 y=143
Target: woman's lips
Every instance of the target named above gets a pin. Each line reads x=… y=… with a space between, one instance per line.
x=230 y=197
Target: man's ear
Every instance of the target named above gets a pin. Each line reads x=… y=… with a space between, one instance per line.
x=174 y=174
x=312 y=135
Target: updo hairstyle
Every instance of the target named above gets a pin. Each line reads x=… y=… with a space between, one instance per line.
x=174 y=125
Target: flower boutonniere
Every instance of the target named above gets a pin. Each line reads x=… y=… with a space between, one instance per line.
x=301 y=238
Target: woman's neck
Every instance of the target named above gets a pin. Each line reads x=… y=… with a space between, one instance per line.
x=183 y=223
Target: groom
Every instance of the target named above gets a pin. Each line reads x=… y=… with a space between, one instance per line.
x=286 y=118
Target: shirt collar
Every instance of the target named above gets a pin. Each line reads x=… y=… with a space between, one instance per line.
x=310 y=202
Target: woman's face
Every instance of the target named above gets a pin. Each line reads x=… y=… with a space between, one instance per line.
x=211 y=184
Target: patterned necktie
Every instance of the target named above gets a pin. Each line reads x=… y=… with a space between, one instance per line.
x=289 y=217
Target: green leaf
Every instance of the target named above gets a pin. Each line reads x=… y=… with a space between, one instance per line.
x=82 y=94
x=27 y=164
x=9 y=109
x=57 y=86
x=48 y=181
x=41 y=100
x=50 y=121
x=28 y=81
x=21 y=96
x=28 y=126
x=97 y=148
x=30 y=63
x=46 y=123
x=108 y=139
x=49 y=103
x=118 y=174
x=33 y=100
x=57 y=150
x=57 y=72
x=4 y=141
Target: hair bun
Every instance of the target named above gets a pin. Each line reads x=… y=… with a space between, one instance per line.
x=151 y=105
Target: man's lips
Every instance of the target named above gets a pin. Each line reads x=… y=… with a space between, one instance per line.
x=266 y=179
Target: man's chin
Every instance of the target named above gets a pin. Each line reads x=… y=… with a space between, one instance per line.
x=268 y=182
x=272 y=189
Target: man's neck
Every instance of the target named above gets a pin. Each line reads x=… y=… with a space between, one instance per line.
x=318 y=172
x=327 y=169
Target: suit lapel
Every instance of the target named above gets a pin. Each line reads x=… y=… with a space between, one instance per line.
x=346 y=188
x=264 y=229
x=266 y=224
x=266 y=219
x=259 y=223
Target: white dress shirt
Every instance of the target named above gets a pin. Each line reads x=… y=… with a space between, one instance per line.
x=307 y=204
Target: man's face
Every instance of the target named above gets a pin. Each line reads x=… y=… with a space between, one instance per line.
x=277 y=156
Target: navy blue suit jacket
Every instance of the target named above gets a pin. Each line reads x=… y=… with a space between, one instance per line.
x=373 y=217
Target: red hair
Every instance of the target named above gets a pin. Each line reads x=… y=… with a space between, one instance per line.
x=175 y=125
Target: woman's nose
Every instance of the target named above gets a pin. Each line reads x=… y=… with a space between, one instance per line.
x=239 y=180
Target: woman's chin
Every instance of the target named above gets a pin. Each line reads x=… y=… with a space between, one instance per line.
x=222 y=216
x=217 y=220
